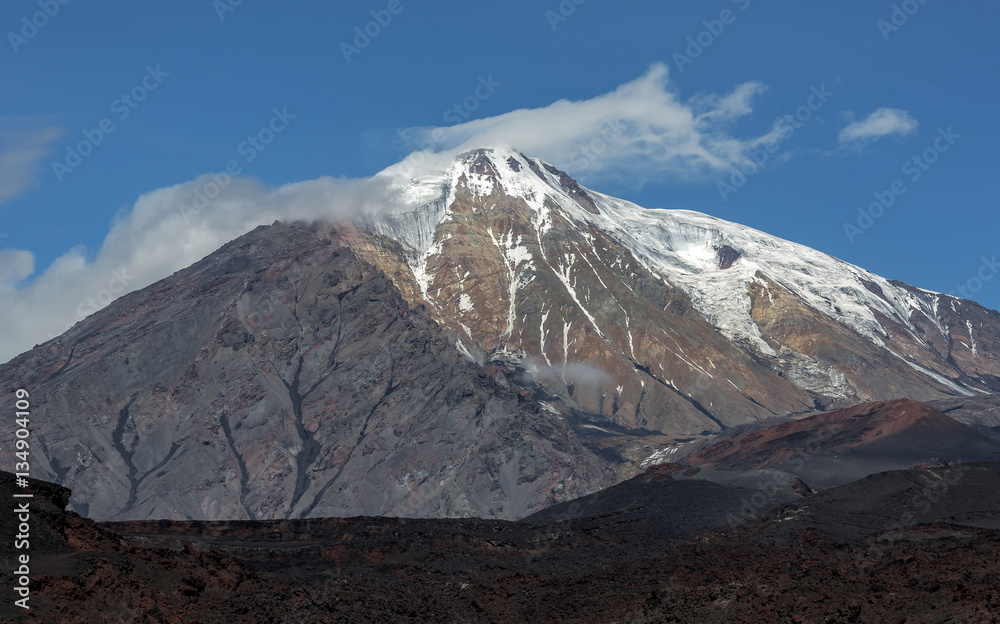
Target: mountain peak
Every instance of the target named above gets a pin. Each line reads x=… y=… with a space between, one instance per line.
x=427 y=186
x=514 y=255
x=486 y=169
x=497 y=310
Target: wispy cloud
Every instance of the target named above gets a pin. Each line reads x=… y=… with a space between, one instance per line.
x=24 y=142
x=15 y=266
x=882 y=123
x=156 y=238
x=641 y=131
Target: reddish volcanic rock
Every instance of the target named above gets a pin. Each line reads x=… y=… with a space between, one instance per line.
x=611 y=569
x=671 y=469
x=838 y=447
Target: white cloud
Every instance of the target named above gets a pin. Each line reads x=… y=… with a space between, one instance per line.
x=881 y=123
x=15 y=266
x=638 y=132
x=152 y=241
x=641 y=131
x=24 y=142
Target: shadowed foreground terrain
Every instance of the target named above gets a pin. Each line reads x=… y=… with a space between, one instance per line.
x=835 y=448
x=616 y=556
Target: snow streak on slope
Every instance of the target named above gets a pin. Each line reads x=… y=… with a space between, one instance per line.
x=684 y=247
x=426 y=196
x=712 y=260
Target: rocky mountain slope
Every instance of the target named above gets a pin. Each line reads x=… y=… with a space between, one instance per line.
x=836 y=448
x=669 y=320
x=979 y=412
x=889 y=504
x=496 y=340
x=675 y=502
x=284 y=377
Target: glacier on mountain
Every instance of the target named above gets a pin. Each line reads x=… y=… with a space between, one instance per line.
x=680 y=246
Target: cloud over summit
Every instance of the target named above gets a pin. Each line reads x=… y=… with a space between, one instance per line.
x=641 y=131
x=166 y=230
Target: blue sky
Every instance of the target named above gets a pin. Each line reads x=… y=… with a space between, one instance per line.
x=897 y=76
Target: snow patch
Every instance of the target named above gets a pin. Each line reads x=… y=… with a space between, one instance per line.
x=659 y=457
x=972 y=338
x=465 y=303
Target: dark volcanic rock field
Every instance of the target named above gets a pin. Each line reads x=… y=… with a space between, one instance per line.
x=387 y=570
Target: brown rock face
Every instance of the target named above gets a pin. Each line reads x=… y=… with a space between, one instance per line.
x=284 y=377
x=839 y=447
x=678 y=324
x=599 y=329
x=832 y=359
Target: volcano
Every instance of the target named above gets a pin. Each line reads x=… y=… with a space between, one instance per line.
x=497 y=339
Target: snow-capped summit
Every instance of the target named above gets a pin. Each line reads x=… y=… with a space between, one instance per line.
x=498 y=339
x=675 y=320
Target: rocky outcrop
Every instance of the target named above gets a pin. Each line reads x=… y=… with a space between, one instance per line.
x=669 y=321
x=917 y=545
x=839 y=447
x=981 y=412
x=283 y=377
